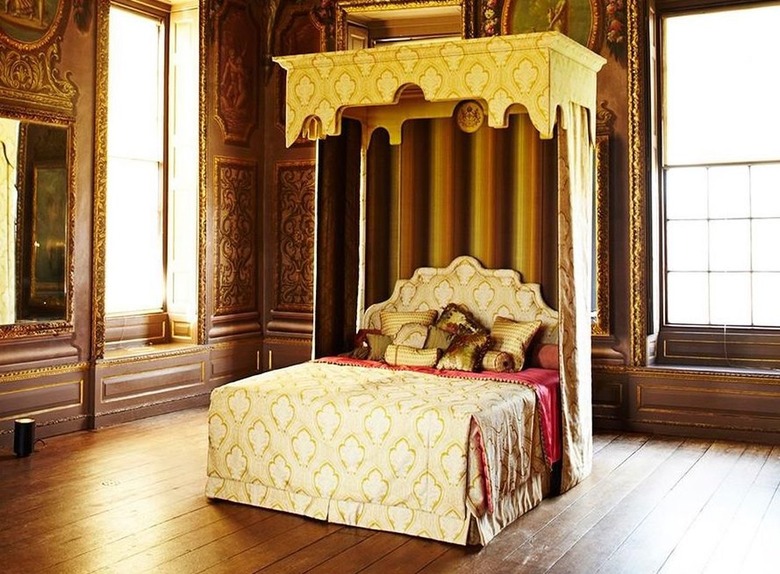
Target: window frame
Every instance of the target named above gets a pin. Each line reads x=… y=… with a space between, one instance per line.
x=740 y=347
x=148 y=327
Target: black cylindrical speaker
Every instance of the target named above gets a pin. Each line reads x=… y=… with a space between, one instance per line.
x=24 y=436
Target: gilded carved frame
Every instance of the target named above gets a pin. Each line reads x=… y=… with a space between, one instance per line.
x=53 y=326
x=601 y=324
x=637 y=177
x=99 y=195
x=29 y=77
x=344 y=7
x=32 y=88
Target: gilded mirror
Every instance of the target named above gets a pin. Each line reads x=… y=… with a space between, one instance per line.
x=36 y=223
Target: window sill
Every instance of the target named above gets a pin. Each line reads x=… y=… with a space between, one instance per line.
x=150 y=351
x=717 y=370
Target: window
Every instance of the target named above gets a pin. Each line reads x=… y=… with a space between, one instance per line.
x=720 y=185
x=151 y=202
x=136 y=163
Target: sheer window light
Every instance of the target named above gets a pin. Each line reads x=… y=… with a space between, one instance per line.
x=135 y=184
x=721 y=167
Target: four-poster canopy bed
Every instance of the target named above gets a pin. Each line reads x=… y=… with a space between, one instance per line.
x=447 y=419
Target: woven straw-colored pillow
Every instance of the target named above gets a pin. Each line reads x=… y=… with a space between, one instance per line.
x=498 y=361
x=392 y=321
x=411 y=357
x=513 y=337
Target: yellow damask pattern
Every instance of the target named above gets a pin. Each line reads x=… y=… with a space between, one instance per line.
x=540 y=71
x=489 y=293
x=378 y=448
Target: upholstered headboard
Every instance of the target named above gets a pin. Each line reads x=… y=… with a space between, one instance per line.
x=487 y=293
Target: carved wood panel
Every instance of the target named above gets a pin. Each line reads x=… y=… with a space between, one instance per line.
x=237 y=72
x=30 y=80
x=236 y=225
x=295 y=236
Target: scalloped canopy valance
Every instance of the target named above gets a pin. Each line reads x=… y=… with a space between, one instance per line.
x=539 y=71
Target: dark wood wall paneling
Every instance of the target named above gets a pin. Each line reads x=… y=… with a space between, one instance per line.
x=288 y=236
x=49 y=375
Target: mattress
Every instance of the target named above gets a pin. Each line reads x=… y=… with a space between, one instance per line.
x=447 y=455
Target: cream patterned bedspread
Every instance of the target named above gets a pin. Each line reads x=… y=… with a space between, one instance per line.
x=399 y=450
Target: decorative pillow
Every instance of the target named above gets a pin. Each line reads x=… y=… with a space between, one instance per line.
x=513 y=337
x=394 y=320
x=412 y=335
x=377 y=345
x=498 y=361
x=362 y=352
x=543 y=356
x=465 y=352
x=360 y=348
x=411 y=357
x=360 y=336
x=438 y=338
x=457 y=319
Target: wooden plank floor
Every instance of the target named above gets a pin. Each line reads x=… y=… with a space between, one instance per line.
x=130 y=499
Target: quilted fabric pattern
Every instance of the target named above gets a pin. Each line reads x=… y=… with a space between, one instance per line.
x=394 y=447
x=411 y=356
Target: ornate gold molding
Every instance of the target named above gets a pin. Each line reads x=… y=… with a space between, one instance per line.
x=31 y=81
x=29 y=78
x=605 y=120
x=65 y=325
x=203 y=122
x=99 y=191
x=28 y=374
x=342 y=8
x=637 y=236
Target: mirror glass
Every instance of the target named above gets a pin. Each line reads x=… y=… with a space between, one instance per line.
x=34 y=216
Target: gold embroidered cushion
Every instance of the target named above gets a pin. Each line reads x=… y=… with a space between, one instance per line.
x=457 y=319
x=392 y=321
x=498 y=361
x=412 y=335
x=513 y=337
x=411 y=357
x=465 y=352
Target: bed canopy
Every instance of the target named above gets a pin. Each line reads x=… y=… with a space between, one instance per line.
x=545 y=75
